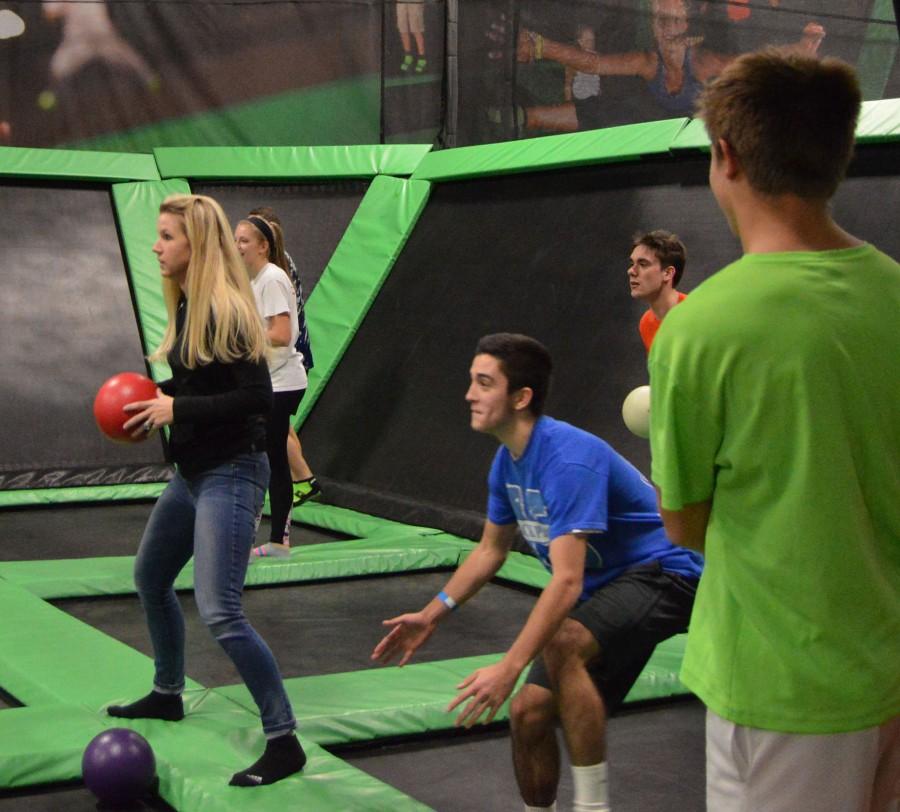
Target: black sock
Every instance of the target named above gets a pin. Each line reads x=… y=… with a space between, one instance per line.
x=155 y=705
x=283 y=757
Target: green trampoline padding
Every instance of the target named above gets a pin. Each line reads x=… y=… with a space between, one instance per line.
x=62 y=668
x=630 y=142
x=137 y=207
x=879 y=122
x=67 y=164
x=359 y=706
x=361 y=262
x=383 y=547
x=95 y=493
x=195 y=759
x=29 y=756
x=288 y=163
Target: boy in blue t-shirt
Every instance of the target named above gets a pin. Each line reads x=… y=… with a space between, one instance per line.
x=618 y=585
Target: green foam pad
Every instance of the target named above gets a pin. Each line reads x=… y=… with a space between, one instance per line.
x=44 y=745
x=358 y=706
x=49 y=657
x=288 y=163
x=390 y=551
x=614 y=144
x=73 y=164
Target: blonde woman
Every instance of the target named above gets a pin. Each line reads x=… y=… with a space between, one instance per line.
x=216 y=403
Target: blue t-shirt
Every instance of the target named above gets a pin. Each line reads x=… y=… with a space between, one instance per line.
x=569 y=481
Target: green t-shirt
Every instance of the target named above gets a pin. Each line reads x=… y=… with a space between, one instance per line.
x=775 y=393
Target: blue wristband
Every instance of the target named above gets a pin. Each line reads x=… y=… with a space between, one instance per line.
x=445 y=599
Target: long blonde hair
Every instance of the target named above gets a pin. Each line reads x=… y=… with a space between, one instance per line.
x=222 y=322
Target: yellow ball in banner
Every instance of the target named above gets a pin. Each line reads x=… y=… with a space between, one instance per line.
x=636 y=411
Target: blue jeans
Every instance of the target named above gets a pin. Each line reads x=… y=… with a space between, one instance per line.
x=212 y=518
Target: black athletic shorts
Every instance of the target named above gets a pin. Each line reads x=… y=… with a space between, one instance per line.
x=628 y=617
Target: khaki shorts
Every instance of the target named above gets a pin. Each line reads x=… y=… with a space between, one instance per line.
x=752 y=769
x=411 y=18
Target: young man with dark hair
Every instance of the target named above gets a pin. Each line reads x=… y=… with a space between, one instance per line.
x=618 y=586
x=775 y=435
x=657 y=263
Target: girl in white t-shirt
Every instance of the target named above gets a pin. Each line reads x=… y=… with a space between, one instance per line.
x=261 y=245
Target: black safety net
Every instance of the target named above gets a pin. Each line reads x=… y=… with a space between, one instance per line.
x=314 y=217
x=543 y=254
x=66 y=324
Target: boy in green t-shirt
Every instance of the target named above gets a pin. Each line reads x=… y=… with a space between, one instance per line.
x=775 y=433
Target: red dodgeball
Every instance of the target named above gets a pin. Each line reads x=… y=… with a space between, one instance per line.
x=126 y=387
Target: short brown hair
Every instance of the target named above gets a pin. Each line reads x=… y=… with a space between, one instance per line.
x=524 y=361
x=789 y=118
x=667 y=248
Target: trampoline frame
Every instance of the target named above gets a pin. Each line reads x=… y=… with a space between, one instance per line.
x=59 y=667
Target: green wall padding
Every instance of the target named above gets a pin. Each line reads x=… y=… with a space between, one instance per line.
x=44 y=164
x=137 y=207
x=627 y=143
x=288 y=163
x=360 y=264
x=693 y=136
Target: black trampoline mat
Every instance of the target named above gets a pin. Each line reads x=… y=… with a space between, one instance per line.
x=656 y=757
x=67 y=325
x=90 y=531
x=326 y=627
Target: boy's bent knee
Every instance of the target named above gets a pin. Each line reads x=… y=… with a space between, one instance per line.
x=533 y=706
x=572 y=644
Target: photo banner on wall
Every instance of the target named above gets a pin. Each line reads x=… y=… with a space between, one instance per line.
x=539 y=67
x=137 y=74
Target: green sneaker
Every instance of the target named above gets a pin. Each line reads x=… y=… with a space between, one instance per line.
x=407 y=62
x=421 y=62
x=305 y=490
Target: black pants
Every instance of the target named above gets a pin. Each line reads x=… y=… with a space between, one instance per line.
x=281 y=491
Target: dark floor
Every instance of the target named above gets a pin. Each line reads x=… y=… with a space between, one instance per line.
x=86 y=531
x=67 y=798
x=324 y=628
x=656 y=764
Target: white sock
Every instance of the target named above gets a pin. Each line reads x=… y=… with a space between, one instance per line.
x=551 y=808
x=590 y=788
